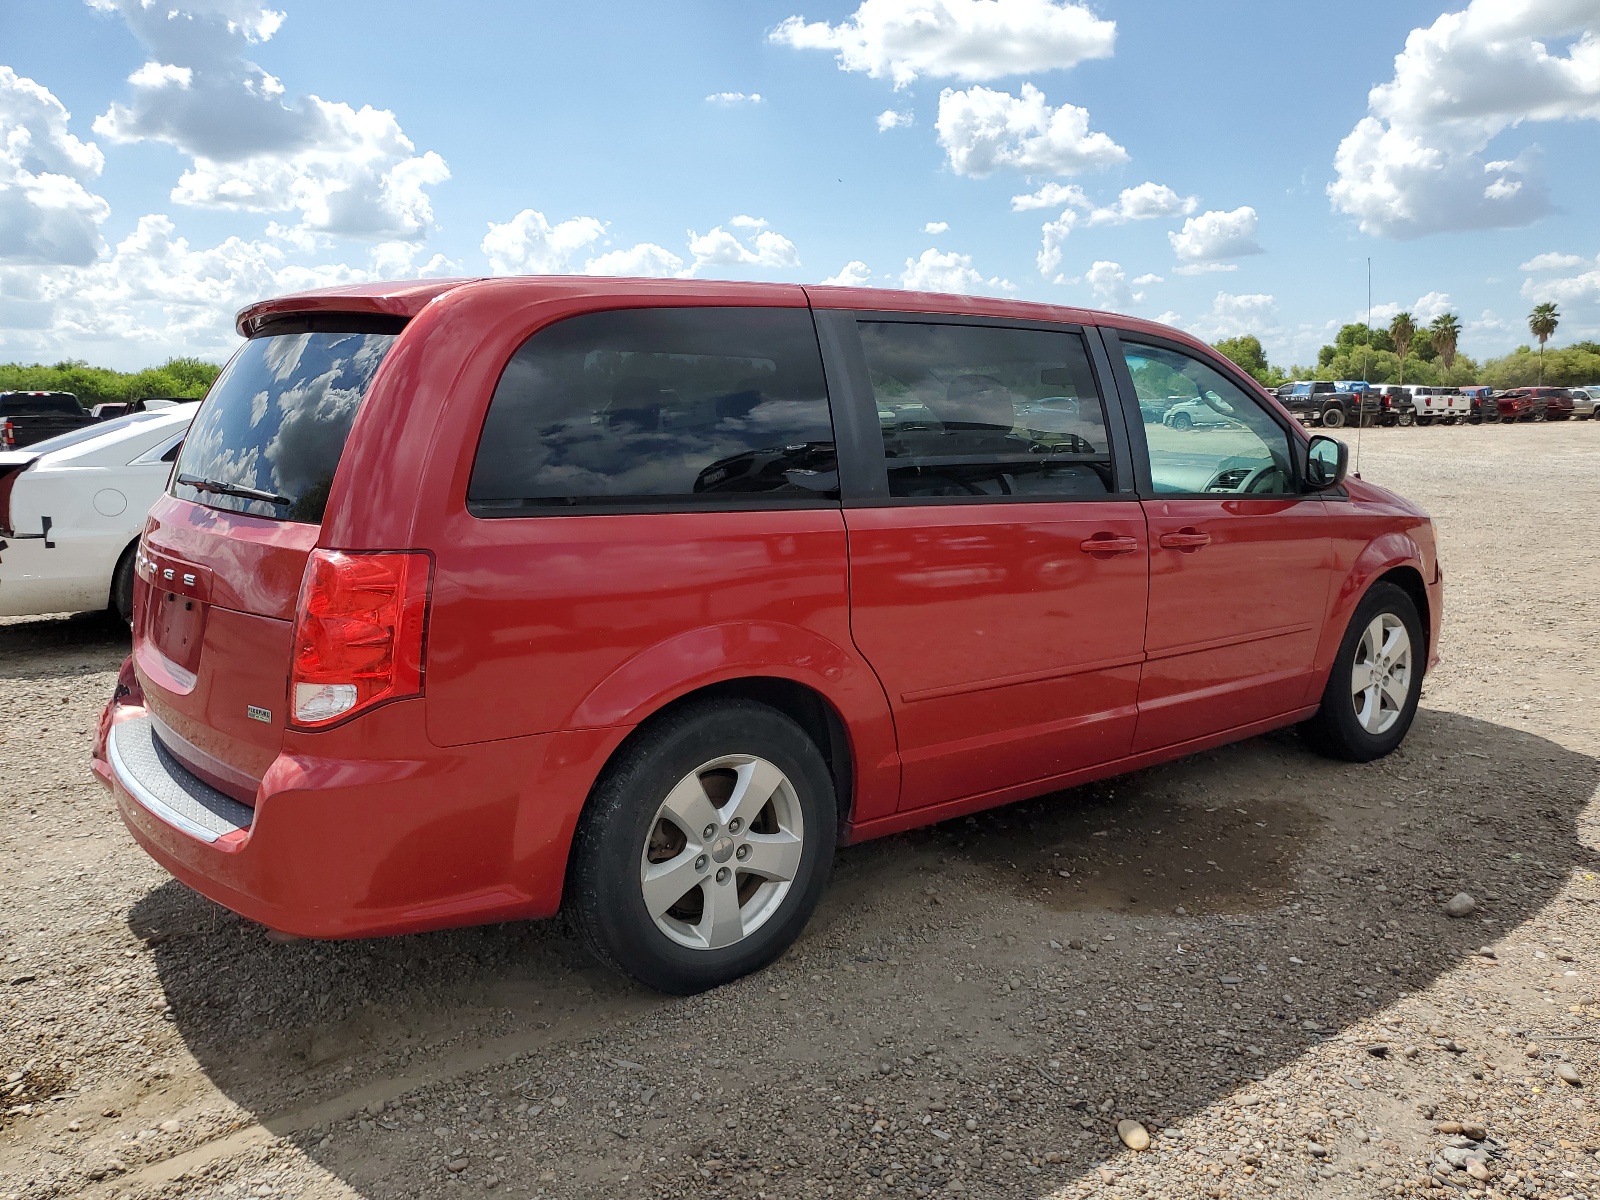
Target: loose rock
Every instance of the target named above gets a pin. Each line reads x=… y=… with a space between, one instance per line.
x=1134 y=1135
x=1460 y=905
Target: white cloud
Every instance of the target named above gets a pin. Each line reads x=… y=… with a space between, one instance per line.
x=936 y=227
x=983 y=130
x=1431 y=305
x=1579 y=287
x=1051 y=195
x=1055 y=233
x=889 y=119
x=1234 y=315
x=1143 y=203
x=1208 y=241
x=854 y=273
x=728 y=99
x=1110 y=284
x=645 y=259
x=529 y=244
x=1152 y=277
x=1415 y=164
x=345 y=170
x=1553 y=262
x=719 y=248
x=951 y=272
x=973 y=40
x=47 y=215
x=155 y=294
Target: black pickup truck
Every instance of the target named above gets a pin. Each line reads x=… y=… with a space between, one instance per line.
x=29 y=417
x=1324 y=402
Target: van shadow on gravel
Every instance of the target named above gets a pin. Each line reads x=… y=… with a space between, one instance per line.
x=1258 y=854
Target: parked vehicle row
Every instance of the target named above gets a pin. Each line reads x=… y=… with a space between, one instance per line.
x=472 y=601
x=1344 y=402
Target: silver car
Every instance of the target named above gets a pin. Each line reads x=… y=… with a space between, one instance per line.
x=1584 y=400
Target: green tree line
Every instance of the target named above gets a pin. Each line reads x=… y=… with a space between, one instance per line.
x=1406 y=352
x=186 y=377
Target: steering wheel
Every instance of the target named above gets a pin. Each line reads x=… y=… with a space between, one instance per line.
x=1246 y=486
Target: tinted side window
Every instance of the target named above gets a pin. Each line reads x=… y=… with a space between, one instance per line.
x=1213 y=437
x=972 y=410
x=678 y=406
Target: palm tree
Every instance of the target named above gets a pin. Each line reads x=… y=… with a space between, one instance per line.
x=1402 y=329
x=1445 y=332
x=1542 y=322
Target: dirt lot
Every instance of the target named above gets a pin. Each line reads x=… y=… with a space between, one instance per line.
x=1246 y=951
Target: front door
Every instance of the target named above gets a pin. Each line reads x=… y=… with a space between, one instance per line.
x=1240 y=560
x=998 y=582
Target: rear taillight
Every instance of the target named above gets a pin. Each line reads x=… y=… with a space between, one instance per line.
x=8 y=435
x=359 y=633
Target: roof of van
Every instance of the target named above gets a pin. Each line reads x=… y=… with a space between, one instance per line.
x=407 y=298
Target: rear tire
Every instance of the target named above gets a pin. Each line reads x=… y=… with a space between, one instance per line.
x=1333 y=417
x=121 y=602
x=670 y=904
x=1371 y=696
x=1406 y=419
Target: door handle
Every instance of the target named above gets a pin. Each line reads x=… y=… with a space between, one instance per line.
x=1185 y=539
x=1105 y=543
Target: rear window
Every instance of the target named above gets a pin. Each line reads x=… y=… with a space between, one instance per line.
x=21 y=403
x=660 y=408
x=269 y=436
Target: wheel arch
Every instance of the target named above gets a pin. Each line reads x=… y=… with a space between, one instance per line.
x=1408 y=579
x=116 y=569
x=1395 y=557
x=807 y=707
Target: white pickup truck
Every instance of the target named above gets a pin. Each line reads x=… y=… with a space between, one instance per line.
x=1417 y=404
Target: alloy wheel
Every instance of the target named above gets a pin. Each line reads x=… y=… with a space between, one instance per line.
x=723 y=852
x=1380 y=680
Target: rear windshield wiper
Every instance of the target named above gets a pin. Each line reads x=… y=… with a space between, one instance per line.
x=217 y=487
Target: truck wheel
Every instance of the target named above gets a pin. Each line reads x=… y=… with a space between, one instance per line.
x=121 y=601
x=1333 y=416
x=1372 y=692
x=1182 y=420
x=1406 y=419
x=704 y=847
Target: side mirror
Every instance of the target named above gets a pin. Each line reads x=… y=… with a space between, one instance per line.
x=1327 y=459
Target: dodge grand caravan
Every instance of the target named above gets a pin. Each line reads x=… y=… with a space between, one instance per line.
x=473 y=600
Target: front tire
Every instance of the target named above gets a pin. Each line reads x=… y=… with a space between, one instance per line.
x=704 y=847
x=1372 y=692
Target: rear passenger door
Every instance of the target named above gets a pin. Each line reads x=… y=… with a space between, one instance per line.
x=997 y=550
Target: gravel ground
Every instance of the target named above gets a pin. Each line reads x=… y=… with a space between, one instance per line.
x=1246 y=952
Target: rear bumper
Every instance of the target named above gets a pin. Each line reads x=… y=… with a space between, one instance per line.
x=340 y=846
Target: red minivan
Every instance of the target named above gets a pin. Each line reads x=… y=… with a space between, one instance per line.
x=474 y=599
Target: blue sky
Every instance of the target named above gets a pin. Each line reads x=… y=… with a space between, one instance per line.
x=1228 y=167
